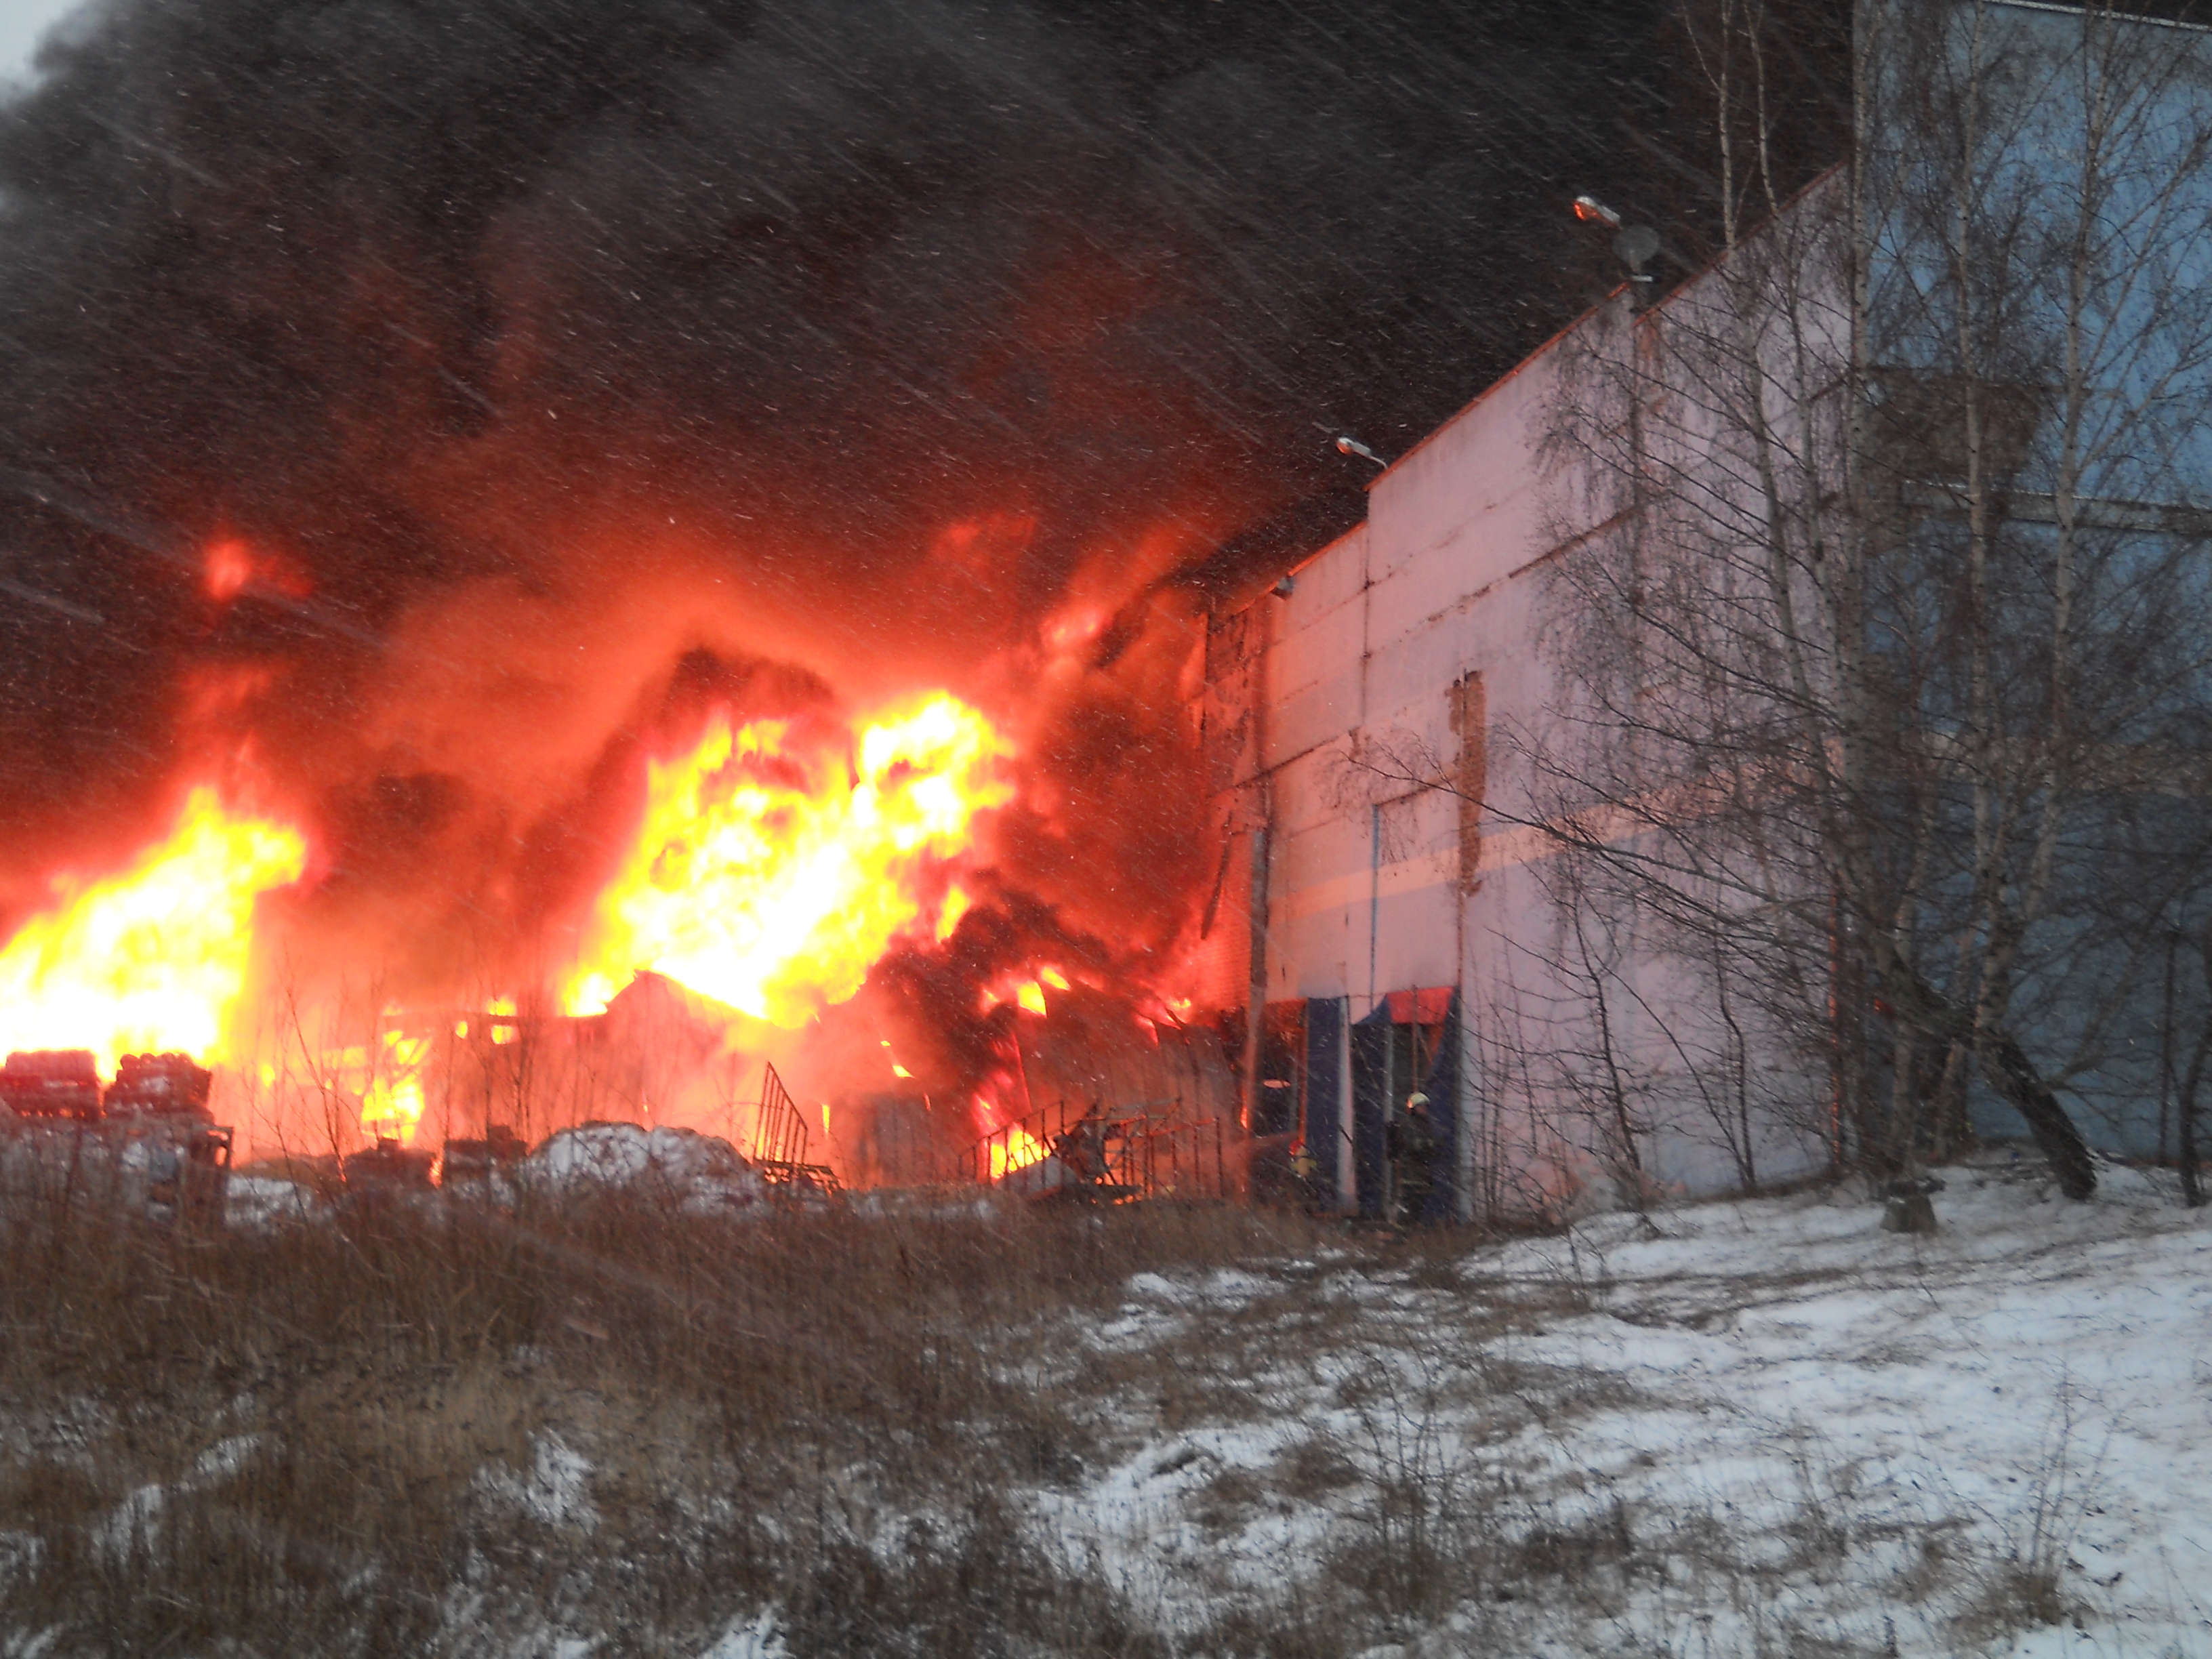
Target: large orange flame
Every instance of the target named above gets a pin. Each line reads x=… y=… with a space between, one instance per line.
x=152 y=959
x=776 y=897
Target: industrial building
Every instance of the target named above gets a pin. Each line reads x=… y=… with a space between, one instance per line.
x=1380 y=904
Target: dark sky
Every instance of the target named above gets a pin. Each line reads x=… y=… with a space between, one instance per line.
x=312 y=272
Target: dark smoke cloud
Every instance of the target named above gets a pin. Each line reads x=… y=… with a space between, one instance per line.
x=909 y=322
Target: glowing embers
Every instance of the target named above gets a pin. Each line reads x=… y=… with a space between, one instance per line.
x=230 y=568
x=771 y=878
x=152 y=960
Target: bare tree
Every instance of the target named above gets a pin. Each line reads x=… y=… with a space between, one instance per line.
x=1879 y=635
x=1882 y=686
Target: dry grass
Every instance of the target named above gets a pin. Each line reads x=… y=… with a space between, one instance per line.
x=334 y=1437
x=404 y=1429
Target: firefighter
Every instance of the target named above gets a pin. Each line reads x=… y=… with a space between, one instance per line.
x=1305 y=1176
x=1082 y=1148
x=1413 y=1147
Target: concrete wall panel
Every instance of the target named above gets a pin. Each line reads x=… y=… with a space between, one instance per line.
x=1323 y=712
x=1332 y=577
x=1307 y=650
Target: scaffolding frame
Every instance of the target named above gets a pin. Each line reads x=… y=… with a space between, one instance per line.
x=1118 y=1155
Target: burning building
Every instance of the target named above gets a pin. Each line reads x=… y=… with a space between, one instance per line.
x=731 y=505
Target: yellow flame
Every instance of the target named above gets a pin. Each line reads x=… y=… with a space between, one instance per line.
x=1031 y=997
x=153 y=959
x=391 y=1098
x=1016 y=1149
x=770 y=879
x=957 y=905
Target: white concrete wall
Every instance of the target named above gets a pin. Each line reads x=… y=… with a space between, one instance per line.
x=1364 y=651
x=1363 y=886
x=1446 y=578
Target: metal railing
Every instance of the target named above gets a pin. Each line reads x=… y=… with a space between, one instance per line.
x=780 y=1144
x=1103 y=1154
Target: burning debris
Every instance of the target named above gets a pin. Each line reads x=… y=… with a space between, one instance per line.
x=1096 y=1155
x=760 y=869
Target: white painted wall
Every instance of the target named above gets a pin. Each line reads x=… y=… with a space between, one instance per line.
x=1444 y=578
x=1363 y=894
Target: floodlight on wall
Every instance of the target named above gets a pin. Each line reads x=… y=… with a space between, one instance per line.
x=1350 y=445
x=1636 y=246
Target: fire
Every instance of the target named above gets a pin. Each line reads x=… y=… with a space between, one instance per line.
x=956 y=905
x=771 y=879
x=1075 y=629
x=232 y=565
x=1026 y=993
x=151 y=960
x=230 y=568
x=1017 y=1150
x=391 y=1096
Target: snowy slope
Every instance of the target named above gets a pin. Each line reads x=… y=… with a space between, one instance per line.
x=1744 y=1427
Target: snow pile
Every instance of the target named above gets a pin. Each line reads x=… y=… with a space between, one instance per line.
x=261 y=1201
x=556 y=1492
x=700 y=1172
x=748 y=1639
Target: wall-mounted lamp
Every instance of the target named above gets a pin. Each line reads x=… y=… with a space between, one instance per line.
x=1636 y=246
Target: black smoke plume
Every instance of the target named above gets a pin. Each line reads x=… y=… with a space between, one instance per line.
x=900 y=324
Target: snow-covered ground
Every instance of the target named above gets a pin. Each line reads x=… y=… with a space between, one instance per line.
x=1757 y=1427
x=1754 y=1426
